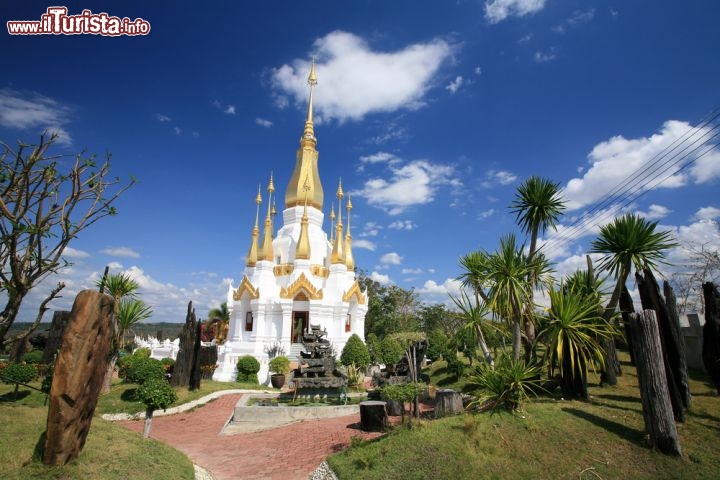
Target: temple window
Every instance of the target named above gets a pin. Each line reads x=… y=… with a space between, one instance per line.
x=248 y=322
x=348 y=322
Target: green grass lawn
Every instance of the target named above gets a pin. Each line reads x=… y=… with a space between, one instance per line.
x=111 y=452
x=551 y=438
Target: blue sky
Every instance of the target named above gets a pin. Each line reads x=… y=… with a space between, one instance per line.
x=431 y=112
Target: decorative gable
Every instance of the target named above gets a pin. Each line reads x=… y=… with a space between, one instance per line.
x=301 y=286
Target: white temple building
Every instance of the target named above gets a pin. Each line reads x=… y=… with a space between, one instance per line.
x=297 y=277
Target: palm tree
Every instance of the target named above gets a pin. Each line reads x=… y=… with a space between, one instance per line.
x=474 y=276
x=475 y=315
x=507 y=273
x=575 y=330
x=118 y=286
x=221 y=313
x=128 y=312
x=629 y=240
x=538 y=204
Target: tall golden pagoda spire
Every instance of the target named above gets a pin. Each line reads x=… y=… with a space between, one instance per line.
x=302 y=251
x=338 y=253
x=349 y=260
x=267 y=247
x=253 y=253
x=306 y=161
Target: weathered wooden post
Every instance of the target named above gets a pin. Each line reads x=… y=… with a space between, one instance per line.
x=184 y=360
x=711 y=333
x=447 y=402
x=657 y=409
x=57 y=328
x=79 y=374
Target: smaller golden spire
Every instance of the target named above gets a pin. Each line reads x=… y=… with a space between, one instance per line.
x=303 y=246
x=349 y=260
x=332 y=222
x=267 y=252
x=338 y=253
x=253 y=253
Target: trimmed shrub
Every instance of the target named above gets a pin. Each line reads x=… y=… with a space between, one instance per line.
x=247 y=369
x=280 y=365
x=437 y=344
x=374 y=347
x=156 y=393
x=168 y=364
x=18 y=373
x=34 y=356
x=144 y=369
x=392 y=351
x=355 y=353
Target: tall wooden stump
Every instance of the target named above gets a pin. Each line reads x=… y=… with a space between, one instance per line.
x=57 y=328
x=711 y=333
x=657 y=408
x=79 y=373
x=185 y=357
x=447 y=402
x=373 y=417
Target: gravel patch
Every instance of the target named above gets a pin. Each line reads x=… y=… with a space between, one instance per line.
x=323 y=472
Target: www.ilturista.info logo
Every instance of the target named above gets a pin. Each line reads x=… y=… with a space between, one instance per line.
x=57 y=22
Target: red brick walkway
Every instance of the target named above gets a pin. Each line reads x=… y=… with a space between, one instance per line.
x=287 y=453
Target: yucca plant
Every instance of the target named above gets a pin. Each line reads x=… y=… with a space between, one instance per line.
x=507 y=385
x=575 y=329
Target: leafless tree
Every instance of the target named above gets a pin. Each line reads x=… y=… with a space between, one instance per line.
x=45 y=202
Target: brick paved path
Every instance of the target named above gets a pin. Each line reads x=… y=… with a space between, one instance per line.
x=289 y=453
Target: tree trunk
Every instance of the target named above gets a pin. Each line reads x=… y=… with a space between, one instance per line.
x=447 y=402
x=109 y=373
x=7 y=317
x=148 y=422
x=529 y=338
x=711 y=333
x=651 y=300
x=657 y=408
x=517 y=338
x=627 y=308
x=484 y=348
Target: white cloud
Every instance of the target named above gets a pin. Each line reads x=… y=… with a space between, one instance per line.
x=70 y=252
x=486 y=213
x=402 y=225
x=371 y=229
x=478 y=71
x=455 y=85
x=525 y=38
x=177 y=130
x=433 y=292
x=412 y=271
x=354 y=80
x=362 y=243
x=196 y=134
x=115 y=266
x=121 y=252
x=580 y=17
x=263 y=123
x=615 y=160
x=543 y=57
x=230 y=110
x=380 y=278
x=32 y=110
x=495 y=177
x=380 y=157
x=391 y=258
x=655 y=212
x=707 y=213
x=413 y=184
x=162 y=118
x=498 y=10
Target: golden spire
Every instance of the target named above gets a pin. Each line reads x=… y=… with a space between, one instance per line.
x=338 y=253
x=332 y=222
x=306 y=159
x=253 y=253
x=349 y=260
x=303 y=246
x=267 y=247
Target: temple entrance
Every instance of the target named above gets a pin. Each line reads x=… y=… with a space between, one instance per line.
x=300 y=325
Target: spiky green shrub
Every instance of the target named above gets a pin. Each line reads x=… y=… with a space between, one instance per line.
x=34 y=356
x=355 y=353
x=506 y=386
x=247 y=369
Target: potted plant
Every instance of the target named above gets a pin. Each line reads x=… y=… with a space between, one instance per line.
x=280 y=366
